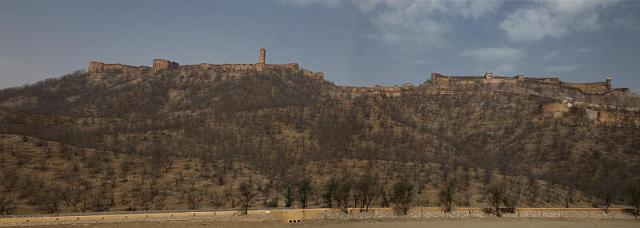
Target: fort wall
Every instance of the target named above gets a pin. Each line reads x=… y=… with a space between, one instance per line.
x=391 y=91
x=594 y=87
x=591 y=88
x=163 y=64
x=311 y=74
x=609 y=115
x=99 y=67
x=436 y=78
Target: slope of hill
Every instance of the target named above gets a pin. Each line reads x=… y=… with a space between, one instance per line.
x=188 y=139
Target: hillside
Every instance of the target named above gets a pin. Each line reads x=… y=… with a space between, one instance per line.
x=189 y=138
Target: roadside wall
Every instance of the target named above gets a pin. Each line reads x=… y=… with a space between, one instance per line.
x=300 y=215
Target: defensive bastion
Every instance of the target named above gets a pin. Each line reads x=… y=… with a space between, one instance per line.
x=163 y=65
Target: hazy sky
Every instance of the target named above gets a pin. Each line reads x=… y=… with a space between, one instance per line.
x=363 y=42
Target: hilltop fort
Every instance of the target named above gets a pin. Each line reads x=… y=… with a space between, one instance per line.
x=585 y=87
x=436 y=78
x=163 y=64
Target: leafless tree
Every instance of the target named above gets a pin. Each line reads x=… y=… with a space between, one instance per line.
x=403 y=194
x=246 y=195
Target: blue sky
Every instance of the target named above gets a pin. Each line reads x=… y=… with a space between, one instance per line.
x=355 y=42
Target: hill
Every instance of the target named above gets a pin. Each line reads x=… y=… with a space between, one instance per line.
x=193 y=136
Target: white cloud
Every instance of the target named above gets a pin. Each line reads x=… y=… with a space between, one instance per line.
x=562 y=69
x=556 y=54
x=553 y=19
x=420 y=24
x=413 y=24
x=493 y=54
x=500 y=60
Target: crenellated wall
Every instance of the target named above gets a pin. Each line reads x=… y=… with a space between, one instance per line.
x=163 y=64
x=592 y=87
x=99 y=67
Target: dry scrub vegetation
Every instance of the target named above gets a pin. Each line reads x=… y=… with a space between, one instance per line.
x=170 y=141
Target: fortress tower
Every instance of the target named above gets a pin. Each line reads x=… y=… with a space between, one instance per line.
x=262 y=62
x=263 y=56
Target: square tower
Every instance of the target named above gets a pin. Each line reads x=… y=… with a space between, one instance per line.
x=263 y=56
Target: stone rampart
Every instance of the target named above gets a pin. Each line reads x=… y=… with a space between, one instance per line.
x=99 y=67
x=594 y=87
x=163 y=64
x=542 y=80
x=311 y=74
x=610 y=115
x=391 y=91
x=590 y=88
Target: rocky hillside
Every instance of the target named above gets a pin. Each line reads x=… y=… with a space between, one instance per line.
x=189 y=139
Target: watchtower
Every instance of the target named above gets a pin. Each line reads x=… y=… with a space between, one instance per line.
x=263 y=56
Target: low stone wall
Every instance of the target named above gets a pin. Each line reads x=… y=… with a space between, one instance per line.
x=384 y=213
x=435 y=212
x=300 y=215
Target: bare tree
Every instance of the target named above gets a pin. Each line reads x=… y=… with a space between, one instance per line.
x=384 y=196
x=497 y=195
x=343 y=193
x=366 y=190
x=402 y=197
x=330 y=188
x=288 y=195
x=193 y=194
x=304 y=189
x=446 y=194
x=246 y=195
x=50 y=198
x=7 y=205
x=633 y=197
x=215 y=201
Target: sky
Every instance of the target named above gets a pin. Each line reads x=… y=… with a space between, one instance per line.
x=355 y=42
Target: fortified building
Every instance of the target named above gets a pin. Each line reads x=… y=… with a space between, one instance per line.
x=589 y=87
x=163 y=65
